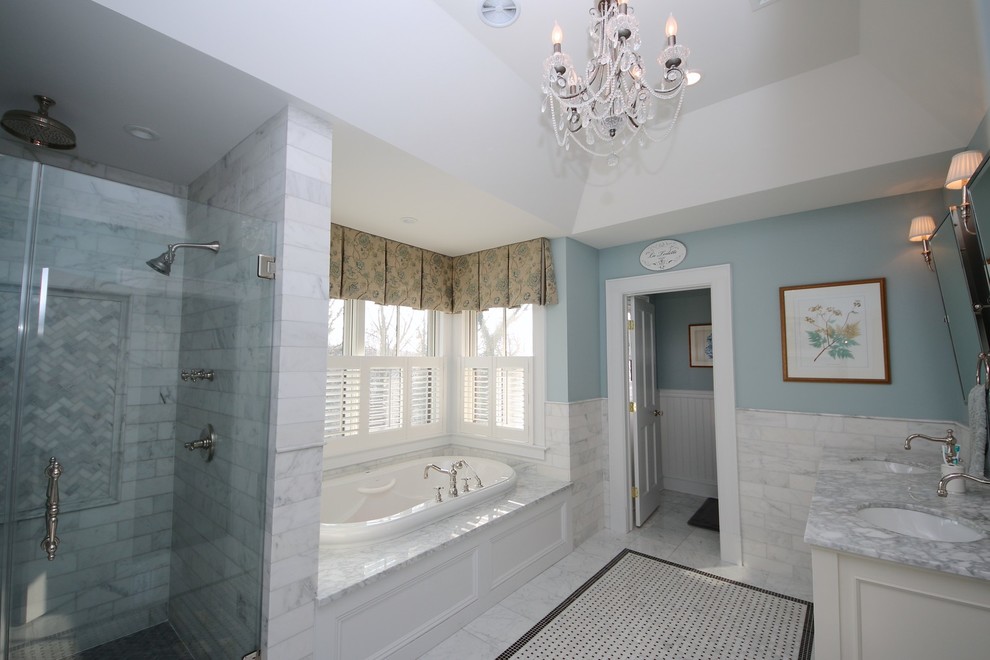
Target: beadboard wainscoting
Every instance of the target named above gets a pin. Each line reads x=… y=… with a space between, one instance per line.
x=687 y=441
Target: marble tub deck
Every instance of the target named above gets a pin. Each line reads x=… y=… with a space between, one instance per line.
x=343 y=570
x=845 y=485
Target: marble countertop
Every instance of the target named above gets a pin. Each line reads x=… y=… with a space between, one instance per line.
x=846 y=484
x=342 y=570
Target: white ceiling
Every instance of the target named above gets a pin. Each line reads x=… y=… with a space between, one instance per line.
x=803 y=104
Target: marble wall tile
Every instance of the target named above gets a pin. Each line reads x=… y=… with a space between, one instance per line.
x=779 y=453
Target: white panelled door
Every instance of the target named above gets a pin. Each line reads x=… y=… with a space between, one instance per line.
x=644 y=415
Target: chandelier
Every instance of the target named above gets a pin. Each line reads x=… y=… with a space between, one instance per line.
x=612 y=104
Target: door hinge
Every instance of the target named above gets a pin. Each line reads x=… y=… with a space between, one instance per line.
x=253 y=655
x=632 y=406
x=630 y=325
x=266 y=267
x=635 y=492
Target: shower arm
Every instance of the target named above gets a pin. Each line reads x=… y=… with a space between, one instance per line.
x=214 y=246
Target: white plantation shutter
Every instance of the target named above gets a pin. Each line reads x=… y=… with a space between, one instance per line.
x=385 y=390
x=495 y=400
x=343 y=407
x=424 y=397
x=510 y=400
x=477 y=392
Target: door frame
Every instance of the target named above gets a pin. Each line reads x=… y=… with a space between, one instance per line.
x=719 y=280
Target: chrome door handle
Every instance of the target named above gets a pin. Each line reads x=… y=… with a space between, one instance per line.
x=50 y=543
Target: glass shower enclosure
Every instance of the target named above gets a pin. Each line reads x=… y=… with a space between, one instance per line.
x=109 y=524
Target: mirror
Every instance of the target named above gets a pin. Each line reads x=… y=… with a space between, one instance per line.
x=959 y=316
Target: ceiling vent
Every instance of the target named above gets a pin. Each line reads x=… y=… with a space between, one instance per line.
x=498 y=13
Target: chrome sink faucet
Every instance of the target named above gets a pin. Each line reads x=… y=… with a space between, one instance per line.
x=949 y=441
x=452 y=472
x=942 y=492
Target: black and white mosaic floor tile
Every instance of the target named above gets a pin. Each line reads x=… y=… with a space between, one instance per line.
x=639 y=606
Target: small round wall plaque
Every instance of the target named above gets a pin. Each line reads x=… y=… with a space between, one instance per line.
x=663 y=255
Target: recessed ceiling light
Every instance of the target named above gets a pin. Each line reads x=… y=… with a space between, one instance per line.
x=142 y=132
x=693 y=77
x=409 y=220
x=498 y=13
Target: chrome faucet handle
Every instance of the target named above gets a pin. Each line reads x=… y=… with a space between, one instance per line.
x=453 y=481
x=466 y=487
x=943 y=482
x=439 y=494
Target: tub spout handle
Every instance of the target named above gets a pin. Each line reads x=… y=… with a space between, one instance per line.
x=439 y=493
x=460 y=465
x=466 y=488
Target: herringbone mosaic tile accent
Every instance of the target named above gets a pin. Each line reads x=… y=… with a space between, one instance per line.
x=73 y=399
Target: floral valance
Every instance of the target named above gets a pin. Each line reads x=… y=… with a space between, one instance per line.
x=368 y=267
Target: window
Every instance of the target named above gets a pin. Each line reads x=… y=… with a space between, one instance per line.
x=384 y=375
x=497 y=374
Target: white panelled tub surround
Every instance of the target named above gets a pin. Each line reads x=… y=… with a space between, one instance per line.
x=404 y=596
x=387 y=502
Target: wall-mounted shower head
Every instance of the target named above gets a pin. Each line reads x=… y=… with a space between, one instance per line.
x=163 y=262
x=37 y=127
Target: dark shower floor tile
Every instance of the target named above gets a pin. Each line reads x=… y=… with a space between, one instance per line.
x=156 y=643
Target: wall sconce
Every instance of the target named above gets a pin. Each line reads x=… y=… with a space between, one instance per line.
x=960 y=170
x=922 y=229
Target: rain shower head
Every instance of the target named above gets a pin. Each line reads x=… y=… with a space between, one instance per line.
x=163 y=262
x=37 y=127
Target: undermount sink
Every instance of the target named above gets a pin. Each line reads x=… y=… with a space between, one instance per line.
x=920 y=524
x=880 y=465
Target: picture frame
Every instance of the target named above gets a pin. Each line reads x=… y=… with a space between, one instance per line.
x=835 y=332
x=700 y=345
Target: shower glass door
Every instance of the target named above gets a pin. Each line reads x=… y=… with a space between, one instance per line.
x=94 y=377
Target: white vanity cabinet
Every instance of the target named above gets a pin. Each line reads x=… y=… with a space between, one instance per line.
x=872 y=609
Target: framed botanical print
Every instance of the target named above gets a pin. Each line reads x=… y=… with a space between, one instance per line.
x=835 y=332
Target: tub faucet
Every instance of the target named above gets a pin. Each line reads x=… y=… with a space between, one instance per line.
x=943 y=482
x=452 y=472
x=949 y=441
x=461 y=464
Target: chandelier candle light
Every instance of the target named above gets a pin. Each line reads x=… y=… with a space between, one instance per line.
x=603 y=111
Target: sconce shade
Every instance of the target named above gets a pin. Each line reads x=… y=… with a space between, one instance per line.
x=922 y=228
x=961 y=168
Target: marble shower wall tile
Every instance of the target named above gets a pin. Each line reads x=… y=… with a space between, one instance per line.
x=279 y=174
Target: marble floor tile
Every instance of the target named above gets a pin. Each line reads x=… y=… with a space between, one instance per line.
x=462 y=645
x=500 y=626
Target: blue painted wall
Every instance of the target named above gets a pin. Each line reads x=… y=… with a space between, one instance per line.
x=855 y=241
x=572 y=330
x=675 y=311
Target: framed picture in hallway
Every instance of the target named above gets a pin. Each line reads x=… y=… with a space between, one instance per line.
x=835 y=332
x=700 y=345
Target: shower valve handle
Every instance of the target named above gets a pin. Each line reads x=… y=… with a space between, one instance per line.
x=207 y=442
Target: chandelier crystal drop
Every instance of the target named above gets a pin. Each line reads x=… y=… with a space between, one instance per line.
x=612 y=104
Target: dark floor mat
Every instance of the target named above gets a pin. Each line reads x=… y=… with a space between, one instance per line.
x=707 y=515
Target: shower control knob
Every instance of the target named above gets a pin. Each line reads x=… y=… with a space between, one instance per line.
x=207 y=442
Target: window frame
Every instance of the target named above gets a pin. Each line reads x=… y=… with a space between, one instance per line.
x=530 y=443
x=362 y=438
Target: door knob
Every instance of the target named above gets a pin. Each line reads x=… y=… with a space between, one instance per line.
x=658 y=413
